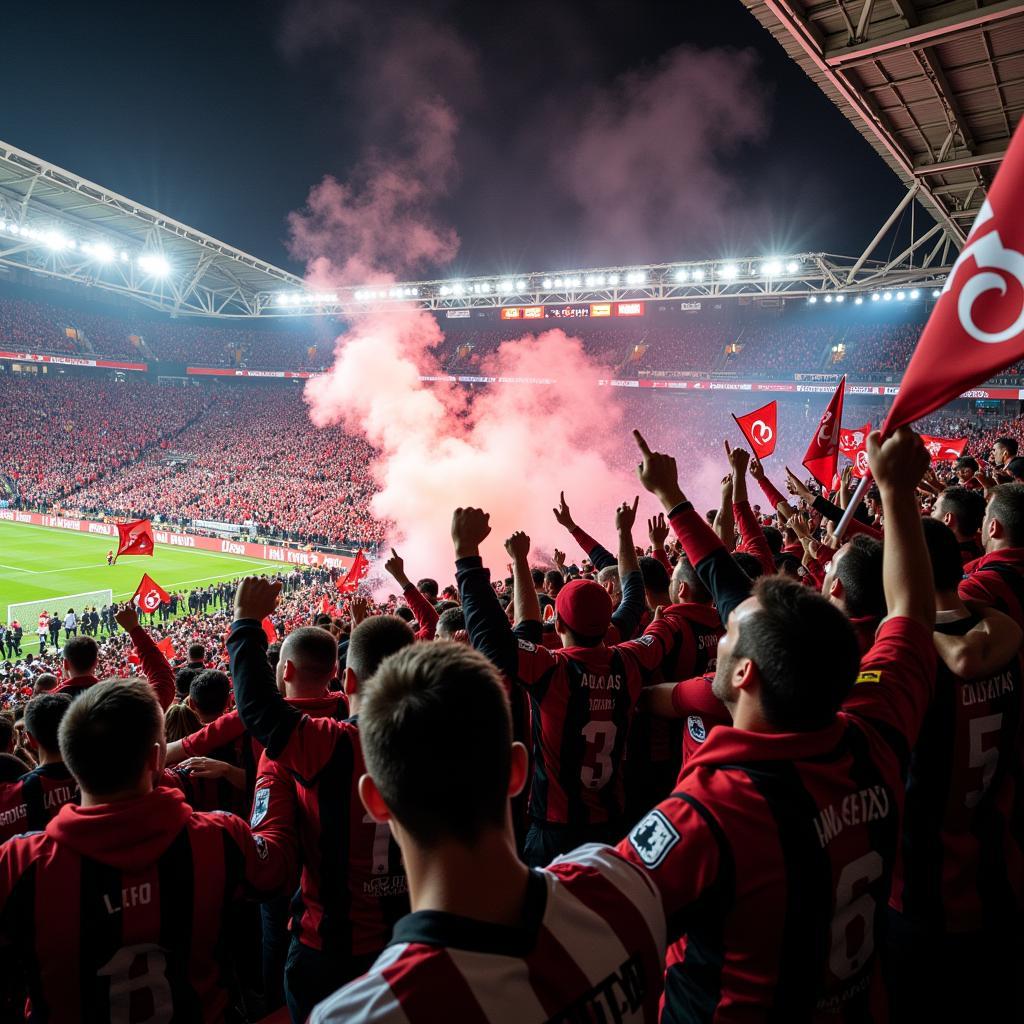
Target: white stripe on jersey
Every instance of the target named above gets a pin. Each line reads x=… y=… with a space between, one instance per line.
x=635 y=885
x=367 y=1000
x=493 y=980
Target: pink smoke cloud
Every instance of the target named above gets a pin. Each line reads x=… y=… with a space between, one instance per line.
x=652 y=155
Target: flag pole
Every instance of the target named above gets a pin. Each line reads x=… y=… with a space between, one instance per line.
x=858 y=496
x=743 y=433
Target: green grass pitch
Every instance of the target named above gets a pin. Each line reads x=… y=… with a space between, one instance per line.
x=37 y=562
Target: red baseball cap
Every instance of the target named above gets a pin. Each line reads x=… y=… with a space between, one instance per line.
x=585 y=607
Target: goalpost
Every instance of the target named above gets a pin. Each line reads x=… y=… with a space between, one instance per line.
x=27 y=612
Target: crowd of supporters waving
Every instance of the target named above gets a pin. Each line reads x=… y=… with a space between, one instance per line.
x=743 y=771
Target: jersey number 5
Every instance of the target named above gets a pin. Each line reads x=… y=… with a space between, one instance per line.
x=138 y=969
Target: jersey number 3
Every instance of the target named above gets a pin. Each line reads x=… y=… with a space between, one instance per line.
x=597 y=760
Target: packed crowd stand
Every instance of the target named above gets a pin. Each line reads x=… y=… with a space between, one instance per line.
x=799 y=341
x=244 y=454
x=721 y=765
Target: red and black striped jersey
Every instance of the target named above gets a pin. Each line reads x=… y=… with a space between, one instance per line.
x=353 y=886
x=775 y=854
x=590 y=947
x=962 y=860
x=582 y=701
x=116 y=912
x=27 y=804
x=212 y=794
x=997 y=580
x=700 y=711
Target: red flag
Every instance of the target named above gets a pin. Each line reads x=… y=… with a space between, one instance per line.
x=977 y=327
x=149 y=595
x=851 y=441
x=760 y=429
x=166 y=647
x=135 y=538
x=270 y=629
x=860 y=462
x=823 y=451
x=944 y=449
x=357 y=573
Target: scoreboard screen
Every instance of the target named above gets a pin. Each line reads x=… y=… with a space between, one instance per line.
x=573 y=311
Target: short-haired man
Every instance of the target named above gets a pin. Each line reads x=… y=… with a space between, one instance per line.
x=353 y=886
x=775 y=854
x=120 y=903
x=963 y=511
x=488 y=939
x=28 y=804
x=997 y=578
x=853 y=582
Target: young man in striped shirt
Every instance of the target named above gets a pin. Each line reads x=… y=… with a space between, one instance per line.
x=489 y=940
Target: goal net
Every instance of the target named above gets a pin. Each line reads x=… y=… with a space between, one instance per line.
x=27 y=612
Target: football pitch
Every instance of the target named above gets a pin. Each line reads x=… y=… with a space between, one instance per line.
x=37 y=563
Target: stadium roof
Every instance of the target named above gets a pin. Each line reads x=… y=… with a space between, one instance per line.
x=57 y=224
x=936 y=86
x=61 y=225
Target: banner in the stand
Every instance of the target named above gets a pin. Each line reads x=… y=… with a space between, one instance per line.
x=267 y=552
x=36 y=357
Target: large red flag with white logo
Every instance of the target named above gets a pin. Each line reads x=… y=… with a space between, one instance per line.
x=760 y=428
x=357 y=573
x=852 y=441
x=944 y=449
x=149 y=595
x=823 y=451
x=135 y=538
x=977 y=327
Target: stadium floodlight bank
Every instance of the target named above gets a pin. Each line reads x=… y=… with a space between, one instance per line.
x=28 y=612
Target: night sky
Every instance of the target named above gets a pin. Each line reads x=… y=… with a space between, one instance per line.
x=214 y=115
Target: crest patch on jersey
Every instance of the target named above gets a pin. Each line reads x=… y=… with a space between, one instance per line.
x=869 y=677
x=525 y=645
x=262 y=850
x=695 y=726
x=260 y=806
x=653 y=838
x=647 y=639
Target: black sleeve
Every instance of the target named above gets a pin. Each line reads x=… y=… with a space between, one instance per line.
x=265 y=714
x=489 y=630
x=720 y=573
x=627 y=616
x=529 y=629
x=830 y=511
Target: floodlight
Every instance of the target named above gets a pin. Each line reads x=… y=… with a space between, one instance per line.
x=915 y=294
x=900 y=296
x=828 y=298
x=613 y=278
x=154 y=264
x=792 y=267
x=875 y=296
x=887 y=296
x=936 y=293
x=812 y=300
x=697 y=274
x=682 y=274
x=772 y=268
x=521 y=285
x=102 y=252
x=859 y=301
x=840 y=298
x=730 y=272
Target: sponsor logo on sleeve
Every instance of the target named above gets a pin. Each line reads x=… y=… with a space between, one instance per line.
x=653 y=838
x=262 y=850
x=869 y=677
x=525 y=645
x=260 y=806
